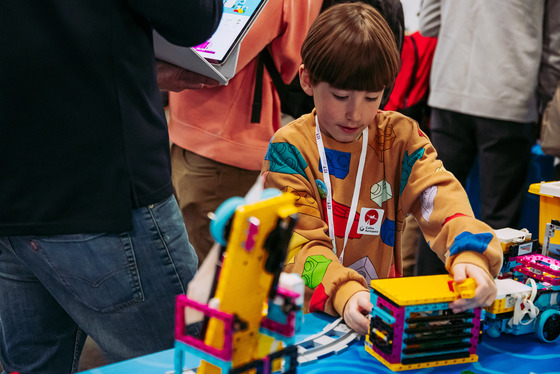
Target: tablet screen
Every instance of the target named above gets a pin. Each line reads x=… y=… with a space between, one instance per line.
x=237 y=18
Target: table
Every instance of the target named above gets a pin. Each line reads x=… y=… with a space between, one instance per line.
x=506 y=354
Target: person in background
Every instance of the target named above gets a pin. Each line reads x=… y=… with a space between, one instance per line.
x=495 y=67
x=92 y=241
x=550 y=132
x=217 y=149
x=357 y=172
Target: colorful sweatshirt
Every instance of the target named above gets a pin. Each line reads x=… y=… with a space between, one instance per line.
x=401 y=175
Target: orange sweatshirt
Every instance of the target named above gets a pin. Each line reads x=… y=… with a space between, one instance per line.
x=216 y=122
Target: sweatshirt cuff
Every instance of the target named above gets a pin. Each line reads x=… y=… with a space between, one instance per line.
x=345 y=292
x=469 y=257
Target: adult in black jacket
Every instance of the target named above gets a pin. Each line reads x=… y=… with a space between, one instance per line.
x=91 y=240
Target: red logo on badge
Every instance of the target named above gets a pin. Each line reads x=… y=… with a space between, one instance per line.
x=371 y=217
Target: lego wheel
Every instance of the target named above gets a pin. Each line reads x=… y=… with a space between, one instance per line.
x=222 y=217
x=548 y=326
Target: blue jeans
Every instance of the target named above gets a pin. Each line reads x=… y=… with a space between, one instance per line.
x=117 y=288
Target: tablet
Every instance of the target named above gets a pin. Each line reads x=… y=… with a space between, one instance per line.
x=237 y=19
x=191 y=60
x=217 y=57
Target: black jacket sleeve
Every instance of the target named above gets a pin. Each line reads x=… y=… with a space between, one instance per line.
x=182 y=22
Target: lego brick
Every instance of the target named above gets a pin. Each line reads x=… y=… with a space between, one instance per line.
x=428 y=289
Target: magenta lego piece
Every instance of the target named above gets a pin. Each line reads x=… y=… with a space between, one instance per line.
x=535 y=261
x=252 y=234
x=287 y=330
x=287 y=293
x=475 y=330
x=398 y=314
x=224 y=354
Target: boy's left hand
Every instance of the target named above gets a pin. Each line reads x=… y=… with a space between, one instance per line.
x=486 y=289
x=356 y=310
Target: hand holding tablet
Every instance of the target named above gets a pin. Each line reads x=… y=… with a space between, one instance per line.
x=217 y=57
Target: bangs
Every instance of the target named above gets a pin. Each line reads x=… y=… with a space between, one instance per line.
x=352 y=52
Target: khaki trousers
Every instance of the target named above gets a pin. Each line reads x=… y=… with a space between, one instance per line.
x=201 y=185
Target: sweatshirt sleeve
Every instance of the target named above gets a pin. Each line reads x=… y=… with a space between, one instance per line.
x=441 y=206
x=328 y=284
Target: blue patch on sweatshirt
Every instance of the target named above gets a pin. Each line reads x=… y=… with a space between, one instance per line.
x=388 y=232
x=285 y=158
x=467 y=241
x=338 y=162
x=407 y=164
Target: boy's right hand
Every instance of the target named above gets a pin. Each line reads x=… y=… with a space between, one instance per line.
x=356 y=311
x=486 y=288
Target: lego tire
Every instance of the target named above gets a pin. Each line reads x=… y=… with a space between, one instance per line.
x=222 y=217
x=548 y=326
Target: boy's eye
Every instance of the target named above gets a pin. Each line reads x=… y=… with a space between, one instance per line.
x=340 y=97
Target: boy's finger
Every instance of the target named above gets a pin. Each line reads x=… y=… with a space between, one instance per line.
x=459 y=273
x=366 y=305
x=461 y=305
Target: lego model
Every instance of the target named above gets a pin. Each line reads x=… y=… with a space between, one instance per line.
x=528 y=293
x=514 y=243
x=529 y=301
x=549 y=216
x=250 y=320
x=412 y=327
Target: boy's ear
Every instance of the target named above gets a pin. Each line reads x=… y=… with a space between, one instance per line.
x=305 y=80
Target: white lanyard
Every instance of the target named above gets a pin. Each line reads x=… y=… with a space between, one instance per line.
x=327 y=180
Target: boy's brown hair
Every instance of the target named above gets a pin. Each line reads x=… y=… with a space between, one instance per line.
x=351 y=47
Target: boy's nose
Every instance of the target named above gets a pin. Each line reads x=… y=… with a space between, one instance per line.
x=353 y=113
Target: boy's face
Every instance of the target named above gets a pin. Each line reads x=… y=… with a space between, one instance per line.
x=342 y=114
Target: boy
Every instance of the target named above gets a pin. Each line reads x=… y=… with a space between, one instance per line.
x=379 y=167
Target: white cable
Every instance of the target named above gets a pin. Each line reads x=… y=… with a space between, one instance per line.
x=529 y=308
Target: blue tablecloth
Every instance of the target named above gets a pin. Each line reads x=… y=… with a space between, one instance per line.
x=506 y=354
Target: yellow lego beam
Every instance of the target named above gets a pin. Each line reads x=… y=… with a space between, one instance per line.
x=243 y=285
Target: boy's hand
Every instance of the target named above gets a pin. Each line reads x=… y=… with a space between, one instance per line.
x=486 y=289
x=356 y=310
